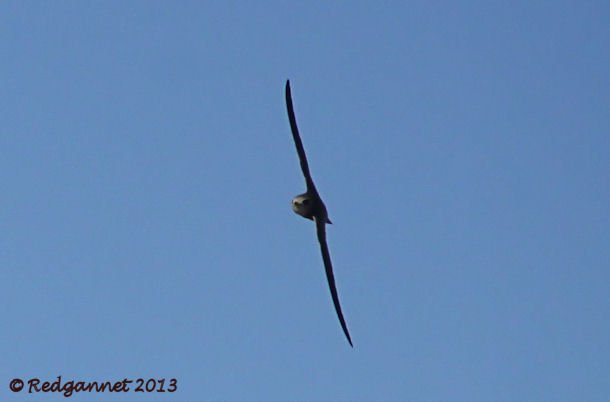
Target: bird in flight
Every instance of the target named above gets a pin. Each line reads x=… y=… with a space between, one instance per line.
x=309 y=205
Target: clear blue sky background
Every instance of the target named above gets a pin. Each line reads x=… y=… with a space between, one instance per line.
x=147 y=168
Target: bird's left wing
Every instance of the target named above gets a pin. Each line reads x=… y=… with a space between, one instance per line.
x=321 y=229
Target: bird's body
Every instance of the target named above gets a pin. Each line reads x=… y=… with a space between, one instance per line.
x=310 y=206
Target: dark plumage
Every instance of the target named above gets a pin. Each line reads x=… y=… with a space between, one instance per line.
x=309 y=205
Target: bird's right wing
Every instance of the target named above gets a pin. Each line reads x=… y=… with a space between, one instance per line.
x=297 y=140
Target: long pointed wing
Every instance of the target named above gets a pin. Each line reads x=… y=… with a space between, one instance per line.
x=297 y=140
x=321 y=229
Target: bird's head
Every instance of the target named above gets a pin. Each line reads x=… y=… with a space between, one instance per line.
x=309 y=206
x=303 y=204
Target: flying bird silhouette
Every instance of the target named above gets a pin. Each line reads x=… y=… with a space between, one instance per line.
x=309 y=205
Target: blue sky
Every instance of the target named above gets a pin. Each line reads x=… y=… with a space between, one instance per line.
x=147 y=169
